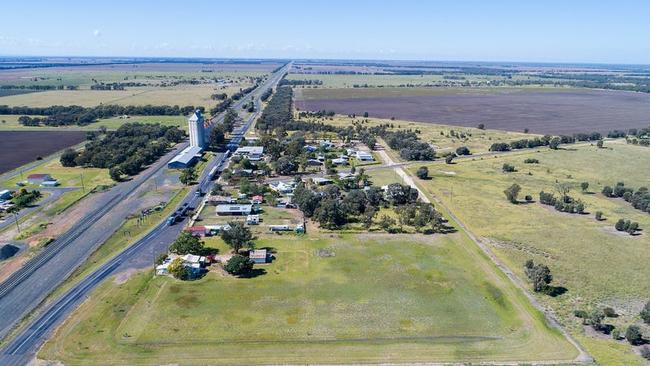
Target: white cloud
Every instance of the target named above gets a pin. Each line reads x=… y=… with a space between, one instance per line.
x=97 y=33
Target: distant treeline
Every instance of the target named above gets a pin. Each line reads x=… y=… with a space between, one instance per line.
x=115 y=86
x=301 y=82
x=39 y=87
x=59 y=115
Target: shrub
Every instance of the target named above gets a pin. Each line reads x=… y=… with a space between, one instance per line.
x=507 y=168
x=616 y=334
x=633 y=335
x=645 y=313
x=580 y=314
x=610 y=312
x=645 y=352
x=528 y=198
x=422 y=172
x=599 y=215
x=463 y=150
x=531 y=161
x=238 y=265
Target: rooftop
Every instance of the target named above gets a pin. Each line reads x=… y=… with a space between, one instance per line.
x=257 y=254
x=186 y=155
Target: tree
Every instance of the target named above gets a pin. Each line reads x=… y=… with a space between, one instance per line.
x=285 y=166
x=68 y=158
x=596 y=320
x=633 y=335
x=608 y=191
x=217 y=137
x=188 y=176
x=239 y=265
x=599 y=215
x=554 y=143
x=386 y=222
x=115 y=173
x=330 y=213
x=584 y=186
x=186 y=243
x=365 y=114
x=368 y=217
x=450 y=158
x=507 y=168
x=161 y=258
x=481 y=126
x=538 y=274
x=463 y=150
x=620 y=225
x=422 y=172
x=645 y=313
x=177 y=269
x=512 y=192
x=238 y=236
x=599 y=144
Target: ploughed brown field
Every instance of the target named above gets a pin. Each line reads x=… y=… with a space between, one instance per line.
x=540 y=111
x=21 y=147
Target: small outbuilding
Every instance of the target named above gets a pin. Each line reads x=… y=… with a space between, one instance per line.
x=234 y=210
x=258 y=256
x=39 y=178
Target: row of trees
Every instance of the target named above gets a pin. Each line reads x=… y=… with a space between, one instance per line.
x=408 y=143
x=77 y=115
x=126 y=150
x=563 y=204
x=639 y=199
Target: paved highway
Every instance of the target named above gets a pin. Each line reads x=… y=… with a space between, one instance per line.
x=22 y=348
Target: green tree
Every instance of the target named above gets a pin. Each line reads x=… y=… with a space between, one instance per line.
x=599 y=144
x=450 y=158
x=512 y=192
x=538 y=274
x=584 y=186
x=330 y=213
x=68 y=158
x=645 y=313
x=238 y=265
x=115 y=173
x=386 y=222
x=186 y=243
x=238 y=237
x=554 y=143
x=217 y=137
x=463 y=150
x=188 y=176
x=633 y=335
x=422 y=172
x=161 y=258
x=178 y=270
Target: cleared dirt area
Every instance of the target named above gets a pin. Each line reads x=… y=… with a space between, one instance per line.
x=540 y=111
x=20 y=147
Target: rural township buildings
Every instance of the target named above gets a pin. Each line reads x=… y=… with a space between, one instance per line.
x=197 y=130
x=185 y=158
x=252 y=153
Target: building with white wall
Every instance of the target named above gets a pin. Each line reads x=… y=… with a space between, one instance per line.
x=197 y=130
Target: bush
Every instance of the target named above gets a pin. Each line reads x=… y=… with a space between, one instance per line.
x=645 y=313
x=599 y=215
x=580 y=314
x=422 y=172
x=645 y=352
x=528 y=198
x=507 y=168
x=463 y=150
x=238 y=265
x=633 y=335
x=616 y=334
x=531 y=161
x=610 y=312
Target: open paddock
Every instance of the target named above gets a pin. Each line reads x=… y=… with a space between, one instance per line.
x=21 y=147
x=543 y=111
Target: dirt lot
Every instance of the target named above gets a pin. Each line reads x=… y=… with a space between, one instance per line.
x=20 y=147
x=541 y=111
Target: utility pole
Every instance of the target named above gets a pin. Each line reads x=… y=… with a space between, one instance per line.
x=83 y=189
x=16 y=221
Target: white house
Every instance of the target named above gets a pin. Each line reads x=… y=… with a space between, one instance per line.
x=253 y=219
x=282 y=187
x=364 y=156
x=340 y=161
x=252 y=153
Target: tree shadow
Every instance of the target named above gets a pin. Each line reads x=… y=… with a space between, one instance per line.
x=555 y=291
x=255 y=272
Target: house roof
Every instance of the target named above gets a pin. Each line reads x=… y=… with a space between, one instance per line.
x=196 y=229
x=38 y=176
x=185 y=156
x=234 y=208
x=250 y=150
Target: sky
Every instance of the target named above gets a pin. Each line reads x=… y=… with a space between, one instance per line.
x=535 y=31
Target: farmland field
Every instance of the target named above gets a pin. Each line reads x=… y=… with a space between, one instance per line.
x=541 y=110
x=596 y=264
x=21 y=147
x=308 y=308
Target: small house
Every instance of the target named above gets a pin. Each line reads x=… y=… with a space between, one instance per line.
x=216 y=229
x=340 y=161
x=234 y=210
x=314 y=162
x=39 y=178
x=219 y=200
x=258 y=256
x=311 y=148
x=257 y=199
x=252 y=153
x=364 y=156
x=321 y=181
x=282 y=187
x=197 y=231
x=49 y=183
x=253 y=219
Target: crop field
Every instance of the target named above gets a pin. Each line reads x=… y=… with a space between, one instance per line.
x=198 y=95
x=307 y=307
x=542 y=111
x=596 y=264
x=21 y=147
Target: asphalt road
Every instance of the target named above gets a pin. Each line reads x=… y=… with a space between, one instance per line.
x=53 y=195
x=22 y=348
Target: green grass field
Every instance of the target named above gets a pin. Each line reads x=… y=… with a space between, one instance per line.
x=67 y=176
x=599 y=266
x=305 y=308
